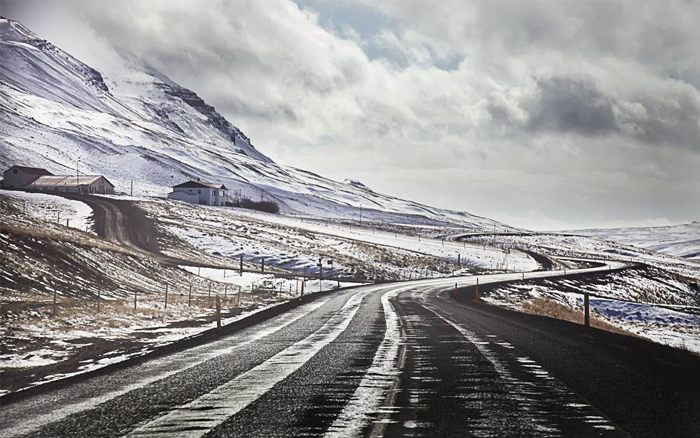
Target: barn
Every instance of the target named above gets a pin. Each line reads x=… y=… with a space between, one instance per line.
x=83 y=184
x=21 y=176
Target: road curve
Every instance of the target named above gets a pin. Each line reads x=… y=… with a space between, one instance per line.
x=396 y=359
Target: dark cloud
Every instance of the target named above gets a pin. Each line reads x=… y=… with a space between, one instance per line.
x=571 y=105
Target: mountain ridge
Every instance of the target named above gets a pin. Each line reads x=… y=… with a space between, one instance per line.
x=137 y=124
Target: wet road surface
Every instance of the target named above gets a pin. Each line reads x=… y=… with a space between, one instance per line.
x=402 y=359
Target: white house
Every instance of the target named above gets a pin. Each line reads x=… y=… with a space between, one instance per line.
x=197 y=192
x=21 y=176
x=83 y=184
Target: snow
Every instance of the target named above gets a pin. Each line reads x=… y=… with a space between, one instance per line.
x=296 y=243
x=36 y=358
x=52 y=208
x=287 y=287
x=679 y=240
x=619 y=304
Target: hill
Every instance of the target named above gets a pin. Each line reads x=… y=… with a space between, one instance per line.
x=135 y=124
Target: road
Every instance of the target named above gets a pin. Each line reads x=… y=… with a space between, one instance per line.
x=398 y=359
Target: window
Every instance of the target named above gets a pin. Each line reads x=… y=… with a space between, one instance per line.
x=199 y=191
x=14 y=171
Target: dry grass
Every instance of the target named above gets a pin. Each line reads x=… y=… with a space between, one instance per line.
x=553 y=309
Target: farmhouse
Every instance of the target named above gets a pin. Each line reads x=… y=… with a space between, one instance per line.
x=83 y=184
x=197 y=192
x=20 y=176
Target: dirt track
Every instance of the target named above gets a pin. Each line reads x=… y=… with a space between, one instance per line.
x=121 y=221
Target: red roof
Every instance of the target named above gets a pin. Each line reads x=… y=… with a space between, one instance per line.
x=31 y=170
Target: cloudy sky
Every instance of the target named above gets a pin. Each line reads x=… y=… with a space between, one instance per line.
x=546 y=115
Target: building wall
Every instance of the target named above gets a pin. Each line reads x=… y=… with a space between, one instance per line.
x=205 y=195
x=17 y=178
x=182 y=195
x=65 y=189
x=100 y=186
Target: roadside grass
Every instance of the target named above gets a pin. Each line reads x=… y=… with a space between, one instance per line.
x=552 y=309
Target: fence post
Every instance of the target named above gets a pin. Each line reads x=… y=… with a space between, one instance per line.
x=586 y=310
x=99 y=289
x=303 y=282
x=190 y=297
x=218 y=313
x=241 y=268
x=262 y=265
x=166 y=296
x=135 y=292
x=476 y=290
x=54 y=297
x=210 y=295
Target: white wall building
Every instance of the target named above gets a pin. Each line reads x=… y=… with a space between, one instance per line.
x=197 y=192
x=21 y=176
x=83 y=184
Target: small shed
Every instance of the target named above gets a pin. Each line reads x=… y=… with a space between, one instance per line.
x=197 y=192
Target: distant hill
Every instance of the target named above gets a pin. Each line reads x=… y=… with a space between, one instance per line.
x=679 y=240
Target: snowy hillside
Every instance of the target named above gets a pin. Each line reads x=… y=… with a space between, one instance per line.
x=136 y=124
x=679 y=240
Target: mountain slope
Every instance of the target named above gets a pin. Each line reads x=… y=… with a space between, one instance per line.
x=678 y=240
x=137 y=124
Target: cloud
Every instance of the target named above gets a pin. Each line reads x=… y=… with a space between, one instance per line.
x=570 y=105
x=500 y=108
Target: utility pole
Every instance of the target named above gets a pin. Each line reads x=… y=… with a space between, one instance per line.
x=241 y=268
x=132 y=187
x=262 y=265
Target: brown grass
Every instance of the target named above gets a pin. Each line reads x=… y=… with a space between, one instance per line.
x=553 y=309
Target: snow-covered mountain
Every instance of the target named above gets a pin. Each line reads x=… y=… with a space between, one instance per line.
x=135 y=124
x=678 y=240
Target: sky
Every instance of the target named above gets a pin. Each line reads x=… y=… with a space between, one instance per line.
x=541 y=114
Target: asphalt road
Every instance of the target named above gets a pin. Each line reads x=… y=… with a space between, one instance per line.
x=402 y=359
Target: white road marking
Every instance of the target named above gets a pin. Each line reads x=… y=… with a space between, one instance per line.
x=377 y=381
x=176 y=363
x=198 y=417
